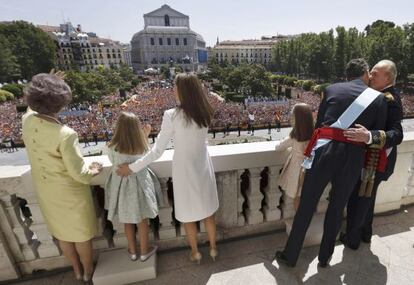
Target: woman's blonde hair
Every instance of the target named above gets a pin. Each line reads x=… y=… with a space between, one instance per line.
x=193 y=100
x=129 y=138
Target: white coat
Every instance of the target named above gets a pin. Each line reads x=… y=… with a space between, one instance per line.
x=194 y=181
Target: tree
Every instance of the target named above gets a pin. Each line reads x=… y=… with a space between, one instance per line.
x=32 y=49
x=9 y=68
x=340 y=52
x=15 y=89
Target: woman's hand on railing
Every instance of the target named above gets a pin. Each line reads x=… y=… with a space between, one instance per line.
x=96 y=168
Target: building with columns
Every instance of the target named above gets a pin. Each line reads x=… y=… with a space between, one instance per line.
x=167 y=39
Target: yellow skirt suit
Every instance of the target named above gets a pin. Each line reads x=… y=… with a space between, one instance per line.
x=61 y=178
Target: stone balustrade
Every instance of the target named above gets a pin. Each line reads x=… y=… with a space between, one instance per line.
x=250 y=202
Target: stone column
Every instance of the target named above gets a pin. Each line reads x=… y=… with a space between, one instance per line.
x=272 y=195
x=254 y=197
x=167 y=229
x=241 y=219
x=8 y=268
x=227 y=187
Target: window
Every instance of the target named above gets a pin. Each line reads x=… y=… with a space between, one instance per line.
x=169 y=41
x=152 y=41
x=185 y=41
x=167 y=20
x=109 y=55
x=160 y=41
x=177 y=41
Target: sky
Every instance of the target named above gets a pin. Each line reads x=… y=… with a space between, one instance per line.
x=227 y=20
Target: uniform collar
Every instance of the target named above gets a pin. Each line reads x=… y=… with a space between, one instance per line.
x=389 y=88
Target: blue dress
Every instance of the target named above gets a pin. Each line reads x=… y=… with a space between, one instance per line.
x=134 y=198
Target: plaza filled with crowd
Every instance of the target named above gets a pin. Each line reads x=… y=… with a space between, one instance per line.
x=149 y=101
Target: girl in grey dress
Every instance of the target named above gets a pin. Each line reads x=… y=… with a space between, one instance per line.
x=133 y=199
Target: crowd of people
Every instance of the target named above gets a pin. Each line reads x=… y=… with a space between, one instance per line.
x=149 y=101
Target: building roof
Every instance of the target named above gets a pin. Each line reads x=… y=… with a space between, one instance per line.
x=162 y=11
x=264 y=41
x=49 y=29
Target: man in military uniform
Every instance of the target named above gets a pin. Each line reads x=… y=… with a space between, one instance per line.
x=360 y=209
x=334 y=158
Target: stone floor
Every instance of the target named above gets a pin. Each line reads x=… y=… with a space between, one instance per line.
x=389 y=259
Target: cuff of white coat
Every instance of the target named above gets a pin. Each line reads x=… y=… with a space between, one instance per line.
x=134 y=167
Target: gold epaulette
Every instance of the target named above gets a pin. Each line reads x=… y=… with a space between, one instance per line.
x=389 y=97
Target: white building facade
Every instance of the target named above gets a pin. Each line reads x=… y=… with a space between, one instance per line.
x=86 y=51
x=167 y=40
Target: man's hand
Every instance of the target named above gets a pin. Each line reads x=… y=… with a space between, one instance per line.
x=358 y=134
x=123 y=170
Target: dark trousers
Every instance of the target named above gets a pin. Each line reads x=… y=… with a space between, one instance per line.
x=339 y=164
x=360 y=214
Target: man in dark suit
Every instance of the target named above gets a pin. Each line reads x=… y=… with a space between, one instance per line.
x=338 y=162
x=360 y=209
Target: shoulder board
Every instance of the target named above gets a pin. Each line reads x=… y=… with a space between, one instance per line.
x=389 y=97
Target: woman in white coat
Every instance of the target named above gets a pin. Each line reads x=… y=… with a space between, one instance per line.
x=195 y=190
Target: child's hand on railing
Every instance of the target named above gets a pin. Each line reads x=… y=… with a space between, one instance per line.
x=147 y=129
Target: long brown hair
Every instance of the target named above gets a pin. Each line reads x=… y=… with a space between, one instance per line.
x=129 y=138
x=303 y=125
x=193 y=100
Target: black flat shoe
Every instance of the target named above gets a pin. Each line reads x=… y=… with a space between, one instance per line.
x=281 y=259
x=322 y=264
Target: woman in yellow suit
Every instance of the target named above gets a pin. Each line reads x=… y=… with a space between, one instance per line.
x=59 y=173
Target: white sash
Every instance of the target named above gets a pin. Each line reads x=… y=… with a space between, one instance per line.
x=346 y=119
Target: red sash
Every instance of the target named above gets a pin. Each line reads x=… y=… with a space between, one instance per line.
x=336 y=134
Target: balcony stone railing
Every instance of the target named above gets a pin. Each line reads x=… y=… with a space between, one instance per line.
x=250 y=203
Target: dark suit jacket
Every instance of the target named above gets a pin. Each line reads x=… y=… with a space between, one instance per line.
x=393 y=131
x=338 y=97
